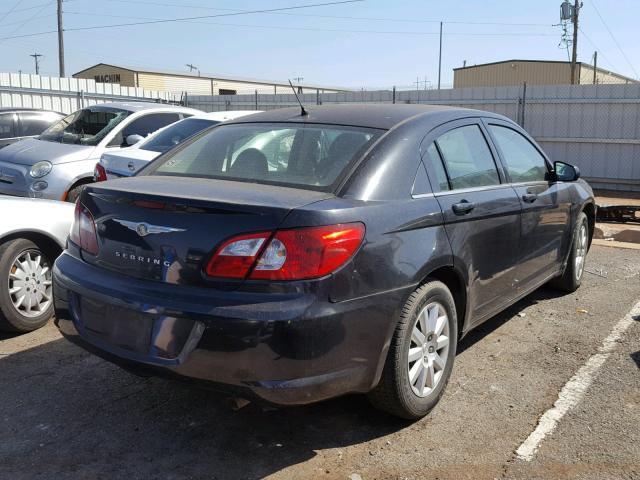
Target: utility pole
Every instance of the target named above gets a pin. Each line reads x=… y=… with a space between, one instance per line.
x=192 y=68
x=36 y=56
x=60 y=40
x=595 y=67
x=440 y=56
x=574 y=55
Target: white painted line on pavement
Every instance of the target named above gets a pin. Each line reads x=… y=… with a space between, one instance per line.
x=574 y=389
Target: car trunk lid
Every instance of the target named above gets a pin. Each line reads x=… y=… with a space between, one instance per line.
x=165 y=228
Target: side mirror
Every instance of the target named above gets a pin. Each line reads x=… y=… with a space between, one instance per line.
x=565 y=172
x=133 y=139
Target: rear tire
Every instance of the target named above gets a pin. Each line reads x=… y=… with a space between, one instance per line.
x=74 y=193
x=571 y=278
x=402 y=390
x=22 y=259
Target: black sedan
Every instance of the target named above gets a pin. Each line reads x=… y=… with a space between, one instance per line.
x=294 y=257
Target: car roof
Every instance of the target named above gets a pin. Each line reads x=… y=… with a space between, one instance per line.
x=26 y=109
x=383 y=116
x=226 y=115
x=139 y=106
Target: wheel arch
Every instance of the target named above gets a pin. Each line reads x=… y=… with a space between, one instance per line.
x=456 y=285
x=589 y=209
x=46 y=243
x=76 y=183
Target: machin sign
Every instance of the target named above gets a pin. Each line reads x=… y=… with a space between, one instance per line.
x=108 y=78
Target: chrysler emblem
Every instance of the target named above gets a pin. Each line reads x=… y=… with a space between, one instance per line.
x=143 y=229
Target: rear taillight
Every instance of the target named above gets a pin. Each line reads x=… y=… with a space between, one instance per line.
x=99 y=173
x=295 y=254
x=235 y=257
x=83 y=230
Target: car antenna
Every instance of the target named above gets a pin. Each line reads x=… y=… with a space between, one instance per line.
x=303 y=111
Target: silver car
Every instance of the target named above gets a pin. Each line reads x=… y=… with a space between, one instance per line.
x=32 y=235
x=61 y=160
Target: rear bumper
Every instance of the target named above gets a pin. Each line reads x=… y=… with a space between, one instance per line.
x=285 y=348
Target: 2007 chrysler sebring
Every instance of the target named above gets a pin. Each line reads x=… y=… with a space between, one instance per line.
x=296 y=256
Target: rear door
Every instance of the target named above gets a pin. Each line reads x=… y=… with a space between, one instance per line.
x=31 y=124
x=545 y=204
x=481 y=213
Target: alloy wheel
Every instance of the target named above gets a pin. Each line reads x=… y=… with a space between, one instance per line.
x=30 y=284
x=581 y=251
x=429 y=349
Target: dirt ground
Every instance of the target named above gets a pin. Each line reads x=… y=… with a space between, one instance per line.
x=65 y=414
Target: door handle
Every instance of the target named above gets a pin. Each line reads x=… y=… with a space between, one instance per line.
x=463 y=207
x=529 y=197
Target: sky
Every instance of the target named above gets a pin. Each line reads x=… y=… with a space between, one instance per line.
x=368 y=44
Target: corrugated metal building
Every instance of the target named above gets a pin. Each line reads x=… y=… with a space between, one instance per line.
x=534 y=72
x=177 y=82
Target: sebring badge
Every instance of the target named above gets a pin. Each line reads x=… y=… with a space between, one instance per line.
x=143 y=229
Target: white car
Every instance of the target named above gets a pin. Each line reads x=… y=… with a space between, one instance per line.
x=56 y=164
x=126 y=162
x=32 y=235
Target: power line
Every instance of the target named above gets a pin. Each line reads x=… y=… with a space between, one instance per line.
x=402 y=20
x=7 y=13
x=614 y=38
x=27 y=20
x=33 y=18
x=338 y=30
x=14 y=10
x=183 y=19
x=600 y=52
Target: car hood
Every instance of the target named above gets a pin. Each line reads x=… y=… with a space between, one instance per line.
x=32 y=150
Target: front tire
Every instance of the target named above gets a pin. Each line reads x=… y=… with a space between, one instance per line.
x=421 y=354
x=25 y=286
x=571 y=278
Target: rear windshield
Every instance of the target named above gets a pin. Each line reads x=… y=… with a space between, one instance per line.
x=85 y=127
x=174 y=134
x=307 y=156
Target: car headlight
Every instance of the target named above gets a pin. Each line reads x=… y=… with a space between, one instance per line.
x=40 y=169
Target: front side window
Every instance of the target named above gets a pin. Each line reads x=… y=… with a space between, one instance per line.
x=306 y=156
x=467 y=158
x=175 y=134
x=85 y=127
x=6 y=125
x=524 y=163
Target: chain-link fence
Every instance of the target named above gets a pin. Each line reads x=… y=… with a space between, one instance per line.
x=596 y=127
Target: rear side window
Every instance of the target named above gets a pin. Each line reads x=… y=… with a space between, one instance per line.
x=307 y=156
x=6 y=125
x=175 y=134
x=467 y=158
x=523 y=161
x=150 y=123
x=434 y=159
x=32 y=124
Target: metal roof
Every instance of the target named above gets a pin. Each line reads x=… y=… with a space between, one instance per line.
x=226 y=78
x=383 y=116
x=601 y=70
